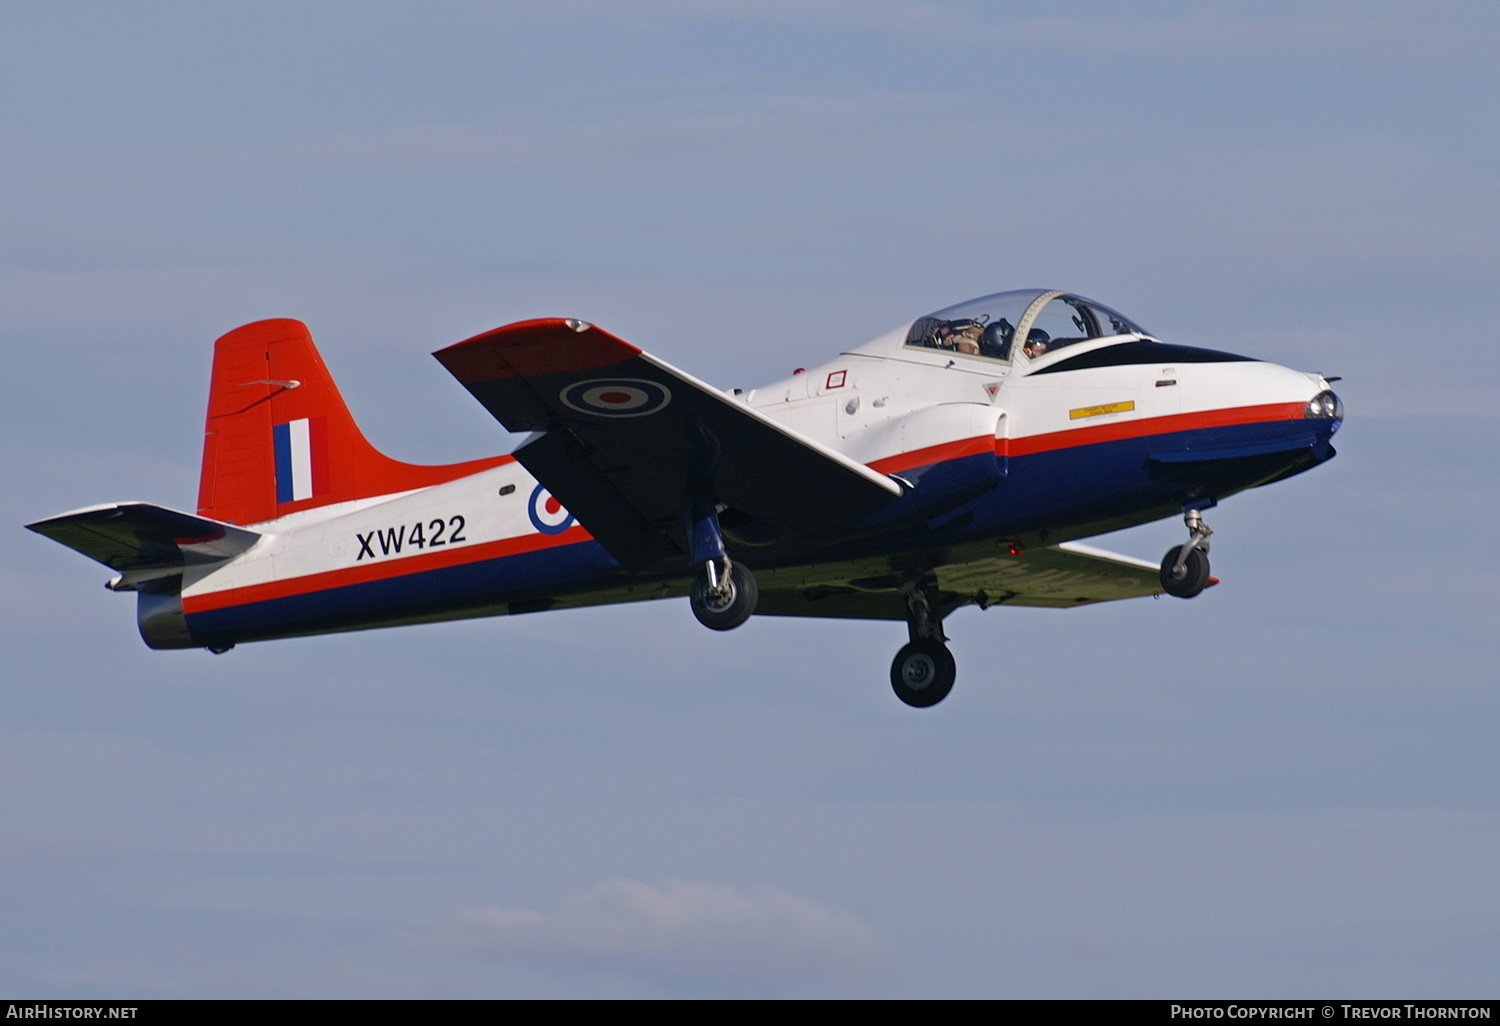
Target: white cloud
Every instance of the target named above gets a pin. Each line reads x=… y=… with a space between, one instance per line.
x=677 y=931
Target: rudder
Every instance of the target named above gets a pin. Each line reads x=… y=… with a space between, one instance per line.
x=280 y=439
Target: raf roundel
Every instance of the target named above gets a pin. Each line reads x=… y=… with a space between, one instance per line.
x=547 y=514
x=616 y=397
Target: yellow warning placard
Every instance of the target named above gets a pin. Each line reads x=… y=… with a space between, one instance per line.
x=1099 y=411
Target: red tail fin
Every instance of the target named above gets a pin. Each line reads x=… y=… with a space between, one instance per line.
x=279 y=438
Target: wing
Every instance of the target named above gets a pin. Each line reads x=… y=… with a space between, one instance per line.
x=623 y=440
x=1059 y=576
x=137 y=537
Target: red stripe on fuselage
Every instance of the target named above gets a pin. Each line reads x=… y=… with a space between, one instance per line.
x=1167 y=425
x=926 y=457
x=387 y=568
x=383 y=569
x=1112 y=432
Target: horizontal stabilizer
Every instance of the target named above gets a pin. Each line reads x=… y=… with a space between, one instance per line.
x=137 y=536
x=625 y=441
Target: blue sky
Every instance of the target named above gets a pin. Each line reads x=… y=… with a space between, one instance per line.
x=1286 y=787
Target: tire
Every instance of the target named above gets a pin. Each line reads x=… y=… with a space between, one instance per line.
x=923 y=673
x=732 y=609
x=1191 y=580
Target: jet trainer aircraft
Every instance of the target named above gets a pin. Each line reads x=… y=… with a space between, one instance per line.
x=953 y=461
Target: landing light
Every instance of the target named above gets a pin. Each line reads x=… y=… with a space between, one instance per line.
x=1324 y=406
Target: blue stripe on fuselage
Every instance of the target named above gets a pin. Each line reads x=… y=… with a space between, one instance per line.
x=540 y=574
x=1111 y=479
x=1104 y=481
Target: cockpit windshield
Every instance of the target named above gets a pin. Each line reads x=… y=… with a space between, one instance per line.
x=1043 y=320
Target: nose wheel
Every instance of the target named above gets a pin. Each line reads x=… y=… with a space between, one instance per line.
x=1184 y=570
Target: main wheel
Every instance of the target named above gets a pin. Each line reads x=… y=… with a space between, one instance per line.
x=1190 y=580
x=923 y=673
x=731 y=605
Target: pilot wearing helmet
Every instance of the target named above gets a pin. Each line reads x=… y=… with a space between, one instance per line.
x=1036 y=343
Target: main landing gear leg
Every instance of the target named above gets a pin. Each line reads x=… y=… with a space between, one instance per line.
x=923 y=671
x=724 y=593
x=1184 y=570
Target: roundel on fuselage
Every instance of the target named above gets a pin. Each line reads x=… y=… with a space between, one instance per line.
x=547 y=514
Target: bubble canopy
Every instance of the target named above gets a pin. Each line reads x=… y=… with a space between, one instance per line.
x=1028 y=322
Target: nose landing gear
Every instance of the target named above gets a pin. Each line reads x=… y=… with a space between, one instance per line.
x=1184 y=570
x=923 y=671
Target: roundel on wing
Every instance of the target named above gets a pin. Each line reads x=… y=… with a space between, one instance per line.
x=547 y=514
x=616 y=397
